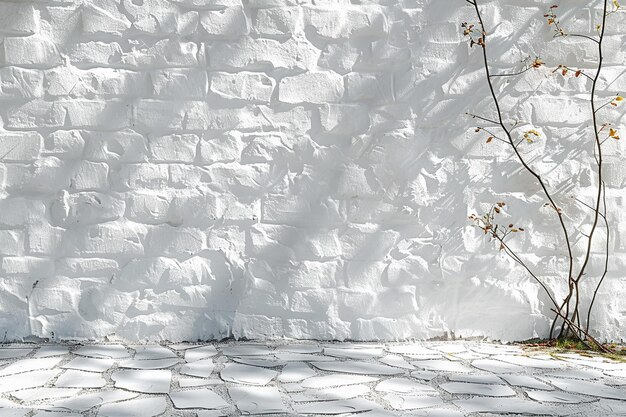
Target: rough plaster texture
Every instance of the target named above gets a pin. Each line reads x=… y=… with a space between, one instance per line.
x=187 y=169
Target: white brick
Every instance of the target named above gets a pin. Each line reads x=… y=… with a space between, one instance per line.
x=184 y=83
x=68 y=144
x=164 y=53
x=228 y=23
x=123 y=146
x=149 y=208
x=339 y=57
x=249 y=53
x=174 y=241
x=46 y=240
x=340 y=22
x=20 y=83
x=27 y=266
x=20 y=211
x=311 y=87
x=278 y=21
x=45 y=175
x=174 y=148
x=113 y=238
x=30 y=51
x=366 y=243
x=364 y=87
x=186 y=206
x=266 y=147
x=103 y=17
x=341 y=119
x=95 y=53
x=18 y=19
x=137 y=176
x=88 y=175
x=85 y=208
x=365 y=275
x=11 y=242
x=151 y=115
x=211 y=4
x=76 y=113
x=160 y=17
x=106 y=82
x=20 y=146
x=248 y=86
x=86 y=267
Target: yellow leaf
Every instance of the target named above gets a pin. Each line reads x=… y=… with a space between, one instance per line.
x=619 y=98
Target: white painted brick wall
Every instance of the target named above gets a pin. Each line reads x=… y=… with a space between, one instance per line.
x=185 y=169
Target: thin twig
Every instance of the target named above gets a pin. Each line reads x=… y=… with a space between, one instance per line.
x=517 y=153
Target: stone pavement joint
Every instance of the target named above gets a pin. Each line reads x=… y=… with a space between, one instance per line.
x=289 y=378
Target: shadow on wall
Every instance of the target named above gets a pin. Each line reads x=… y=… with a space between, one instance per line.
x=193 y=176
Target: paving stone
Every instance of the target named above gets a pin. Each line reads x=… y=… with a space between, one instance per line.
x=246 y=350
x=352 y=353
x=412 y=350
x=497 y=367
x=510 y=406
x=450 y=348
x=295 y=372
x=303 y=357
x=148 y=363
x=89 y=364
x=37 y=394
x=149 y=352
x=202 y=368
x=411 y=402
x=80 y=379
x=327 y=394
x=149 y=382
x=424 y=375
x=571 y=373
x=554 y=397
x=336 y=381
x=477 y=389
x=477 y=379
x=531 y=362
x=300 y=348
x=588 y=388
x=84 y=402
x=52 y=350
x=103 y=351
x=355 y=405
x=257 y=400
x=491 y=349
x=442 y=365
x=525 y=381
x=358 y=367
x=397 y=361
x=7 y=412
x=183 y=346
x=199 y=398
x=267 y=362
x=30 y=365
x=196 y=354
x=10 y=353
x=142 y=407
x=405 y=386
x=198 y=382
x=26 y=380
x=245 y=374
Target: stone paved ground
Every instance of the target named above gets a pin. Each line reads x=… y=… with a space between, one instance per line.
x=435 y=379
